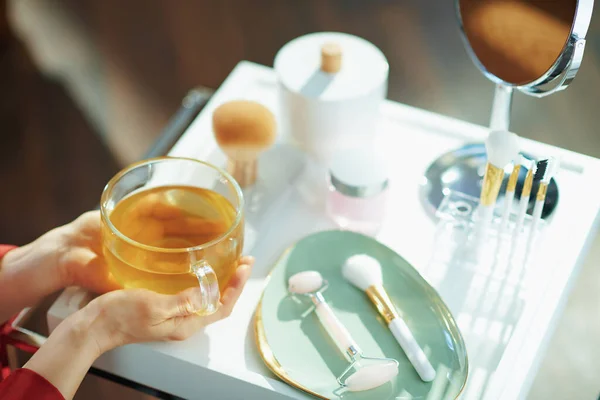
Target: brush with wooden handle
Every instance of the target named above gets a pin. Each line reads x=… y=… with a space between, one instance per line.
x=243 y=130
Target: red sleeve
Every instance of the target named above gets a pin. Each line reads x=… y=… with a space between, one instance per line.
x=5 y=248
x=24 y=384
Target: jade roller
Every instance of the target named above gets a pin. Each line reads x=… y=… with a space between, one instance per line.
x=357 y=377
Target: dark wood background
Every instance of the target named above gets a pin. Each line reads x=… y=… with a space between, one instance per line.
x=86 y=86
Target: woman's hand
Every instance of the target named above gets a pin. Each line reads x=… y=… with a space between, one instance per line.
x=139 y=315
x=65 y=256
x=80 y=261
x=123 y=317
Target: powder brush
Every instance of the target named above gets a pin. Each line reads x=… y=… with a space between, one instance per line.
x=364 y=272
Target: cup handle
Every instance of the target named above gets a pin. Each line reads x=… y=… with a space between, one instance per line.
x=209 y=286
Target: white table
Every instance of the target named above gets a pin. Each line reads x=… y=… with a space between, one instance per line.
x=222 y=362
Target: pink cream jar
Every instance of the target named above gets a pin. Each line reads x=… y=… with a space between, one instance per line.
x=357 y=193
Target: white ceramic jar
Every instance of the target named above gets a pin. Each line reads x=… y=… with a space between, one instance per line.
x=331 y=86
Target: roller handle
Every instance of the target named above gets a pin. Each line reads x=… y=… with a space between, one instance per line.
x=334 y=327
x=411 y=348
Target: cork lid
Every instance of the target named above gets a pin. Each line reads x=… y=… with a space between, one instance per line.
x=331 y=66
x=331 y=58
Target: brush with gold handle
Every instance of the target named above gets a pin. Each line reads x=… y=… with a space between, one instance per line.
x=502 y=148
x=364 y=272
x=509 y=195
x=525 y=194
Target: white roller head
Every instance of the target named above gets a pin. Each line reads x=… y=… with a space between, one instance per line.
x=305 y=282
x=372 y=376
x=502 y=147
x=362 y=271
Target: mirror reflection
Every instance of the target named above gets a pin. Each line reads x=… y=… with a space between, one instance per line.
x=517 y=41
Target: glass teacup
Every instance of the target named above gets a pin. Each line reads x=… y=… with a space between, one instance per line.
x=173 y=223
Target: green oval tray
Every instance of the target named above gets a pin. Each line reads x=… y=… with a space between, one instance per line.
x=298 y=350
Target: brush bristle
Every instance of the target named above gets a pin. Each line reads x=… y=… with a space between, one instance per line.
x=501 y=147
x=362 y=271
x=540 y=171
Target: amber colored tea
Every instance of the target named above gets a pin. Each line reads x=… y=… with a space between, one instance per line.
x=161 y=224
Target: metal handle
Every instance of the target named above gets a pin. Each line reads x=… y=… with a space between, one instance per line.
x=500 y=118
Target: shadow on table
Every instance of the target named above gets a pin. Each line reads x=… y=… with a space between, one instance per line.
x=486 y=298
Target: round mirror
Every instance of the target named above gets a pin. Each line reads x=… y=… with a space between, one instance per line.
x=534 y=46
x=526 y=44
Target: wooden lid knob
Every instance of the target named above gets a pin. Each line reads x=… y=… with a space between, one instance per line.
x=331 y=58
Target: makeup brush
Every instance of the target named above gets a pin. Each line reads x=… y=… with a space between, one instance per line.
x=525 y=194
x=243 y=130
x=546 y=169
x=364 y=272
x=502 y=148
x=509 y=195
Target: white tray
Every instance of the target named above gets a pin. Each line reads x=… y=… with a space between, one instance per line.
x=504 y=348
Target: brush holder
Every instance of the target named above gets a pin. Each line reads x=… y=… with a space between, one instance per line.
x=461 y=239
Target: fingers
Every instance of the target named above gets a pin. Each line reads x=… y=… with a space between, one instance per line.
x=144 y=230
x=194 y=226
x=155 y=206
x=189 y=301
x=248 y=260
x=101 y=280
x=186 y=326
x=182 y=319
x=86 y=268
x=234 y=289
x=87 y=229
x=183 y=304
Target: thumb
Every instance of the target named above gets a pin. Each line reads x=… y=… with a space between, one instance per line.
x=88 y=269
x=184 y=303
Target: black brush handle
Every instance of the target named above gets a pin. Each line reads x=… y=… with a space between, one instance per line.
x=191 y=106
